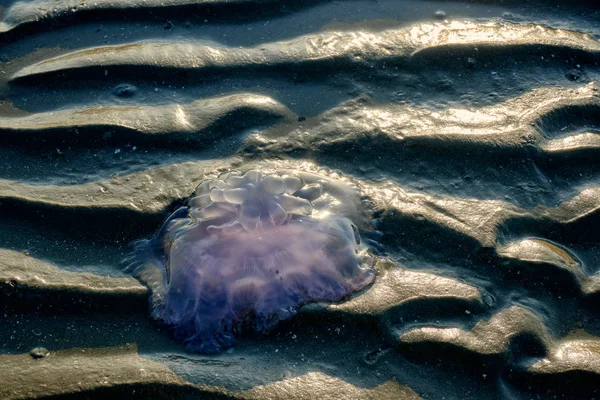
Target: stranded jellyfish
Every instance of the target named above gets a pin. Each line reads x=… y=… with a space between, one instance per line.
x=249 y=249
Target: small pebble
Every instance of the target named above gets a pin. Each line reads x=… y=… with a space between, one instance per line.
x=439 y=14
x=39 y=352
x=124 y=90
x=471 y=61
x=574 y=74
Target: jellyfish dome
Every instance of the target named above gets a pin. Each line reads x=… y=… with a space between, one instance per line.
x=249 y=249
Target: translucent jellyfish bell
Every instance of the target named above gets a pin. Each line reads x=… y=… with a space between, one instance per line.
x=250 y=249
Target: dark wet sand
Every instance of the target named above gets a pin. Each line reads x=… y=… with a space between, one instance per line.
x=474 y=127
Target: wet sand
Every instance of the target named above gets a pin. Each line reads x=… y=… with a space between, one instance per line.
x=472 y=126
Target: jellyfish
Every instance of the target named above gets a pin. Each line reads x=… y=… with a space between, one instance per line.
x=248 y=250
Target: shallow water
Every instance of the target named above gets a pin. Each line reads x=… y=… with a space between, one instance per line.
x=473 y=130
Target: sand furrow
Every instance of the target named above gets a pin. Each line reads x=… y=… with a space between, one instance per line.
x=328 y=49
x=397 y=289
x=519 y=125
x=192 y=125
x=557 y=363
x=40 y=15
x=18 y=269
x=116 y=371
x=120 y=371
x=490 y=337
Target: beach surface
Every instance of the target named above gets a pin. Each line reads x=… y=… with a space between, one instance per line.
x=472 y=127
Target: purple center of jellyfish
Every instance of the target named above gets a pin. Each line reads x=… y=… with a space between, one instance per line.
x=247 y=252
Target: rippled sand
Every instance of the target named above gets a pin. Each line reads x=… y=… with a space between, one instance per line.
x=471 y=126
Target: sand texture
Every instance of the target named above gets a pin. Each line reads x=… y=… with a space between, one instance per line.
x=469 y=128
